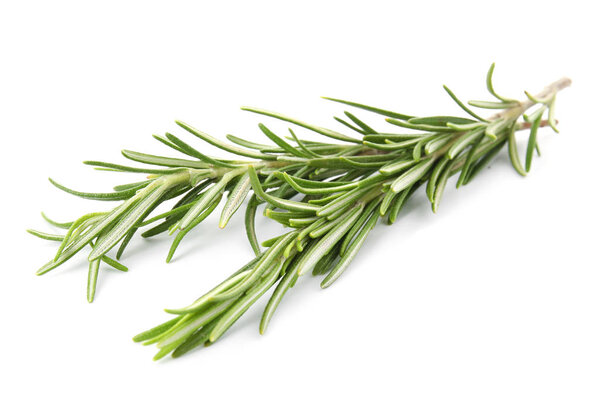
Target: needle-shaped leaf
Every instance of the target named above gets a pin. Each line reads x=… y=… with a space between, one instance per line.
x=250 y=224
x=62 y=225
x=513 y=153
x=382 y=112
x=412 y=175
x=163 y=161
x=420 y=127
x=462 y=105
x=46 y=236
x=551 y=118
x=532 y=143
x=492 y=105
x=365 y=128
x=92 y=279
x=123 y=225
x=326 y=243
x=195 y=222
x=462 y=142
x=244 y=303
x=112 y=196
x=349 y=255
x=224 y=145
x=276 y=201
x=280 y=290
x=124 y=168
x=435 y=174
x=344 y=201
x=490 y=86
x=323 y=131
x=196 y=153
x=280 y=142
x=235 y=199
x=441 y=121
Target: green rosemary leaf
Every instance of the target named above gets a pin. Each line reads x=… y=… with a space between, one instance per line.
x=195 y=222
x=437 y=143
x=346 y=124
x=134 y=185
x=369 y=209
x=62 y=225
x=280 y=142
x=371 y=109
x=280 y=290
x=485 y=160
x=492 y=105
x=270 y=256
x=462 y=105
x=397 y=166
x=514 y=154
x=307 y=152
x=243 y=304
x=495 y=127
x=366 y=129
x=465 y=140
x=121 y=228
x=420 y=127
x=231 y=281
x=46 y=236
x=196 y=339
x=310 y=259
x=532 y=143
x=196 y=153
x=163 y=161
x=466 y=127
x=386 y=202
x=324 y=228
x=113 y=196
x=178 y=334
x=383 y=137
x=490 y=86
x=551 y=119
x=441 y=121
x=327 y=262
x=435 y=174
x=168 y=143
x=440 y=186
x=251 y=145
x=250 y=224
x=113 y=263
x=323 y=131
x=125 y=168
x=321 y=190
x=276 y=201
x=224 y=145
x=353 y=249
x=159 y=329
x=342 y=202
x=92 y=279
x=208 y=198
x=399 y=202
x=467 y=164
x=235 y=199
x=412 y=175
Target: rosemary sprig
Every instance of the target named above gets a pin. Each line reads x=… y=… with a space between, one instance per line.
x=343 y=189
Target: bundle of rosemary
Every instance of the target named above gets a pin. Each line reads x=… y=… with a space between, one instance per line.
x=329 y=195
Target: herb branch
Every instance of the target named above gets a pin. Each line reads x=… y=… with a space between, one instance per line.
x=329 y=195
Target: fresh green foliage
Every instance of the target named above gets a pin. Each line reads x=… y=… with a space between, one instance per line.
x=328 y=194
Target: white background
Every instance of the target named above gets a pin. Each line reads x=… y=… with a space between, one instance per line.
x=498 y=294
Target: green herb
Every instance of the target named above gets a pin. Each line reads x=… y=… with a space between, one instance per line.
x=329 y=194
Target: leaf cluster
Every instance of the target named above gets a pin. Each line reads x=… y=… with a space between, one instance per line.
x=329 y=195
